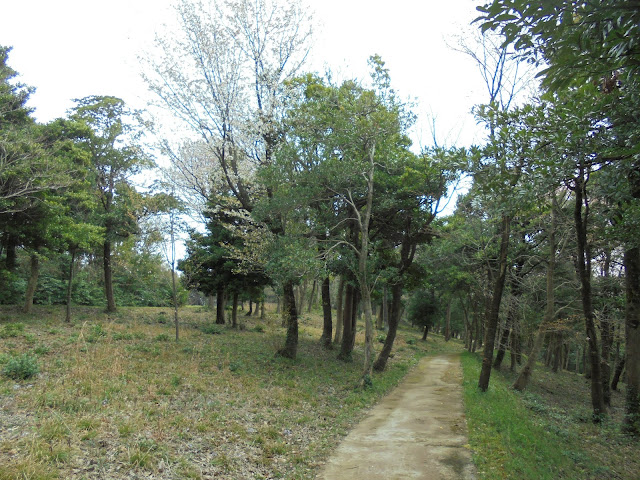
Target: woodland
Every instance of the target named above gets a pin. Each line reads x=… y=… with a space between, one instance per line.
x=305 y=193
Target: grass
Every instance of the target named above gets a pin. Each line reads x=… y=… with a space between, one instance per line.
x=118 y=397
x=544 y=433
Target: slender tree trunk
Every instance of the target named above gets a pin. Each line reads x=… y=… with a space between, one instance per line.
x=346 y=347
x=327 y=324
x=32 y=284
x=248 y=314
x=220 y=305
x=211 y=302
x=67 y=317
x=632 y=337
x=108 y=277
x=425 y=332
x=617 y=374
x=494 y=312
x=290 y=349
x=394 y=319
x=339 y=312
x=447 y=331
x=312 y=297
x=632 y=322
x=302 y=292
x=584 y=274
x=234 y=310
x=502 y=347
x=606 y=336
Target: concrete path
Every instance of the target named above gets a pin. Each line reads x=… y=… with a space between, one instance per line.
x=417 y=432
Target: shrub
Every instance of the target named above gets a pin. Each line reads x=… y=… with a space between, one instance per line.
x=21 y=367
x=163 y=337
x=97 y=331
x=12 y=330
x=212 y=329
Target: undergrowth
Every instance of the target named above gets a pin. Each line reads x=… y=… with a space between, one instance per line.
x=539 y=436
x=118 y=397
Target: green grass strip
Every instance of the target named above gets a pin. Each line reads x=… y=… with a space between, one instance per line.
x=507 y=440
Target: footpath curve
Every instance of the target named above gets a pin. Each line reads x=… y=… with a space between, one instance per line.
x=418 y=431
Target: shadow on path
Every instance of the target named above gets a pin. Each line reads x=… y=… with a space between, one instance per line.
x=417 y=432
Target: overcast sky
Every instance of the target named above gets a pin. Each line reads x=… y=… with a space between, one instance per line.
x=73 y=48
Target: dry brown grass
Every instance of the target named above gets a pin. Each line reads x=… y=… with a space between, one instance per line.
x=118 y=397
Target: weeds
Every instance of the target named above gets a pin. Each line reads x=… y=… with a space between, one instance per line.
x=21 y=367
x=120 y=395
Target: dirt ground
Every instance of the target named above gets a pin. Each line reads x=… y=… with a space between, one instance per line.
x=418 y=431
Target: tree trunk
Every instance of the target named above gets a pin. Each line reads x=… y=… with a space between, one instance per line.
x=425 y=332
x=248 y=314
x=584 y=274
x=210 y=302
x=220 y=305
x=312 y=297
x=32 y=284
x=632 y=337
x=618 y=372
x=502 y=347
x=234 y=310
x=290 y=348
x=327 y=324
x=632 y=321
x=346 y=347
x=339 y=312
x=494 y=312
x=447 y=331
x=394 y=319
x=606 y=336
x=67 y=317
x=108 y=277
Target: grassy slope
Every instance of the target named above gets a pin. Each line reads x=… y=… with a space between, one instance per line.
x=117 y=397
x=544 y=433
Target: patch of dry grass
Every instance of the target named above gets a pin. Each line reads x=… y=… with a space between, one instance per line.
x=117 y=396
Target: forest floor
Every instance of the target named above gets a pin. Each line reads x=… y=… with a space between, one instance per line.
x=546 y=432
x=418 y=431
x=117 y=397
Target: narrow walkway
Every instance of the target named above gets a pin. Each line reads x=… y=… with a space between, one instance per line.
x=417 y=432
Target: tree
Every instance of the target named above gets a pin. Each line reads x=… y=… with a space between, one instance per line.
x=585 y=43
x=422 y=309
x=115 y=159
x=223 y=76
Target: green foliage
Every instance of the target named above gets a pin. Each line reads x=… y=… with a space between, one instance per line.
x=96 y=332
x=12 y=330
x=422 y=308
x=21 y=367
x=212 y=329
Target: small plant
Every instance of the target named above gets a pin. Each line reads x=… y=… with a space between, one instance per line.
x=381 y=338
x=12 y=330
x=212 y=329
x=96 y=332
x=163 y=337
x=42 y=350
x=22 y=367
x=411 y=341
x=122 y=336
x=258 y=329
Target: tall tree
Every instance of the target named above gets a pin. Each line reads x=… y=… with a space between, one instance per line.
x=115 y=159
x=223 y=75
